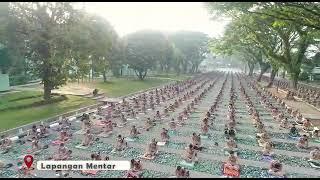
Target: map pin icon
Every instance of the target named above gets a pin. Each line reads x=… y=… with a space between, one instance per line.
x=28 y=160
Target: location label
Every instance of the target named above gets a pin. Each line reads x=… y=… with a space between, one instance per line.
x=28 y=160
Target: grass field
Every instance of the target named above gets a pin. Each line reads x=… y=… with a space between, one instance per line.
x=119 y=86
x=115 y=87
x=17 y=117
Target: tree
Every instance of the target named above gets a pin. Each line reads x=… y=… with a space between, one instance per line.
x=143 y=49
x=80 y=46
x=282 y=41
x=301 y=13
x=44 y=26
x=193 y=46
x=117 y=58
x=103 y=36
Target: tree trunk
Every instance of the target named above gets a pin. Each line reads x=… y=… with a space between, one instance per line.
x=284 y=74
x=47 y=90
x=140 y=74
x=251 y=67
x=245 y=69
x=104 y=76
x=272 y=76
x=263 y=69
x=294 y=80
x=145 y=74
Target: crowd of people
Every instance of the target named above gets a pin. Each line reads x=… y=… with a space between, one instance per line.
x=181 y=98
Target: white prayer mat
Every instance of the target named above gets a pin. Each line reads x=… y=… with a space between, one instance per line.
x=81 y=147
x=80 y=132
x=105 y=134
x=161 y=143
x=129 y=139
x=204 y=137
x=148 y=158
x=316 y=141
x=184 y=163
x=314 y=165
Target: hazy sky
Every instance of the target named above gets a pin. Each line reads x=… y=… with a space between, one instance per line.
x=127 y=17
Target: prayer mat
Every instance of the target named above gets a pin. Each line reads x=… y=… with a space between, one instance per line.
x=148 y=158
x=314 y=164
x=293 y=138
x=81 y=147
x=104 y=135
x=316 y=141
x=89 y=172
x=114 y=151
x=184 y=163
x=161 y=143
x=230 y=171
x=56 y=142
x=267 y=158
x=130 y=139
x=80 y=132
x=204 y=136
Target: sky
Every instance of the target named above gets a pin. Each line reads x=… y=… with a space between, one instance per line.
x=128 y=17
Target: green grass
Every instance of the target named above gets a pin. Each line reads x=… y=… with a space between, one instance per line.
x=115 y=87
x=19 y=99
x=119 y=86
x=17 y=117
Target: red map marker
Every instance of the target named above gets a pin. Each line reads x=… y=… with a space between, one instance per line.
x=28 y=160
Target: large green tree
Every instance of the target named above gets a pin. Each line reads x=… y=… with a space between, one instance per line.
x=284 y=42
x=143 y=50
x=44 y=26
x=193 y=46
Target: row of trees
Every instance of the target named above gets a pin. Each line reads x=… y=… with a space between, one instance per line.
x=276 y=35
x=55 y=41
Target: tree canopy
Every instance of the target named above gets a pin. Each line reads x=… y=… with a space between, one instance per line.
x=268 y=29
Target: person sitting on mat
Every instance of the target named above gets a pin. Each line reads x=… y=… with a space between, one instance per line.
x=307 y=125
x=164 y=135
x=294 y=131
x=63 y=152
x=181 y=172
x=35 y=144
x=303 y=142
x=190 y=155
x=43 y=131
x=315 y=155
x=267 y=149
x=5 y=144
x=136 y=165
x=88 y=138
x=134 y=132
x=316 y=134
x=263 y=139
x=276 y=169
x=151 y=149
x=121 y=143
x=231 y=145
x=284 y=123
x=196 y=140
x=149 y=124
x=233 y=160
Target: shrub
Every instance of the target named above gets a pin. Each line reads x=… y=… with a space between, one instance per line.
x=304 y=76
